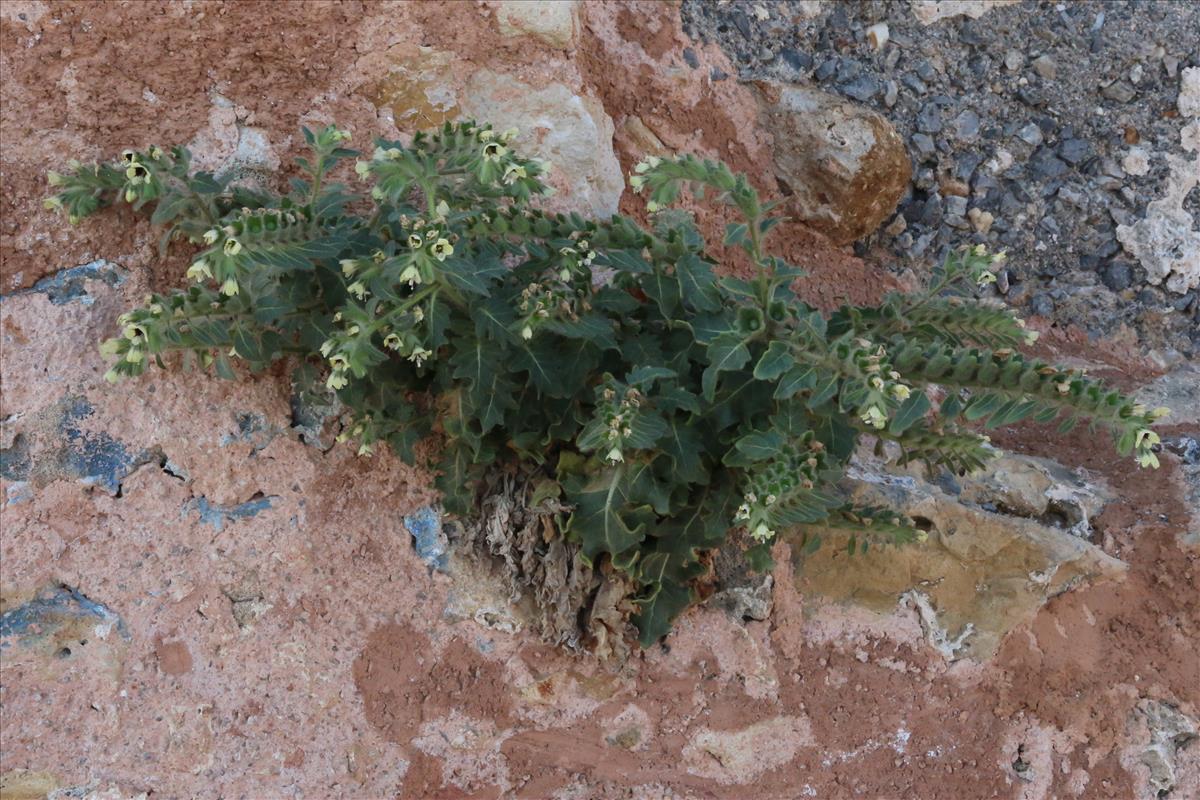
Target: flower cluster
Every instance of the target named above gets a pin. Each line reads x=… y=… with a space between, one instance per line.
x=617 y=408
x=1145 y=440
x=772 y=483
x=131 y=346
x=141 y=183
x=883 y=386
x=550 y=300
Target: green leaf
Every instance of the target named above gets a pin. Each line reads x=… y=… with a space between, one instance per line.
x=494 y=317
x=825 y=388
x=599 y=520
x=624 y=260
x=675 y=398
x=735 y=234
x=490 y=392
x=658 y=611
x=982 y=405
x=795 y=380
x=292 y=255
x=646 y=428
x=774 y=362
x=708 y=327
x=759 y=445
x=759 y=558
x=664 y=290
x=837 y=435
x=725 y=354
x=543 y=359
x=223 y=367
x=248 y=344
x=683 y=445
x=473 y=275
x=644 y=376
x=911 y=410
x=456 y=479
x=698 y=283
x=170 y=207
x=594 y=328
x=437 y=319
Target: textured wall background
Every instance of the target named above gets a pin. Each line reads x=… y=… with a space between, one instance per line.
x=201 y=596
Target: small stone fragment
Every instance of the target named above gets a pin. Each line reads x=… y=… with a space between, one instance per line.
x=555 y=22
x=1120 y=91
x=1189 y=92
x=929 y=119
x=1072 y=197
x=1074 y=151
x=956 y=207
x=1041 y=305
x=1014 y=60
x=878 y=35
x=966 y=126
x=1045 y=67
x=1117 y=275
x=862 y=88
x=1136 y=162
x=1031 y=134
x=981 y=220
x=891 y=94
x=924 y=145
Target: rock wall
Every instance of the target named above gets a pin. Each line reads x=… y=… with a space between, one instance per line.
x=202 y=595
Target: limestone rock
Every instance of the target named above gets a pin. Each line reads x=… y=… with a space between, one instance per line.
x=1038 y=489
x=741 y=755
x=845 y=164
x=1167 y=242
x=979 y=575
x=570 y=130
x=20 y=784
x=1189 y=92
x=423 y=87
x=555 y=22
x=416 y=87
x=930 y=11
x=1168 y=733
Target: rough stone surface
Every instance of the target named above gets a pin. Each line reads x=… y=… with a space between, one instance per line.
x=1189 y=92
x=931 y=11
x=555 y=22
x=845 y=164
x=572 y=131
x=983 y=572
x=1167 y=240
x=1061 y=91
x=244 y=608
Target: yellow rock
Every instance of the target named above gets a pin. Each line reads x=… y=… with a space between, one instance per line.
x=21 y=784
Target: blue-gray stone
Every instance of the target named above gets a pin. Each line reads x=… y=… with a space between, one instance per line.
x=69 y=285
x=94 y=457
x=217 y=516
x=55 y=611
x=929 y=118
x=429 y=540
x=862 y=89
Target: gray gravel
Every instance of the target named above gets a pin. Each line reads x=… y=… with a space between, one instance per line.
x=1031 y=109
